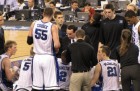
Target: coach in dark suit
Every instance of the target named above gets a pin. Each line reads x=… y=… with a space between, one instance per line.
x=70 y=38
x=63 y=2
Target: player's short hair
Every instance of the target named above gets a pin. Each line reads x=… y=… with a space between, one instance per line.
x=73 y=27
x=109 y=6
x=9 y=44
x=57 y=13
x=130 y=14
x=80 y=33
x=106 y=50
x=48 y=12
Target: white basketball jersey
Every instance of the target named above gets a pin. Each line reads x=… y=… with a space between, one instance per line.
x=64 y=75
x=1 y=58
x=135 y=37
x=110 y=74
x=135 y=34
x=25 y=78
x=42 y=38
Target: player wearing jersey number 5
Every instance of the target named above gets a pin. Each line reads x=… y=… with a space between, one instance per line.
x=44 y=36
x=109 y=70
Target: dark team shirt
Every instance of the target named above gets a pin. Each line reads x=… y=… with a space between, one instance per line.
x=82 y=56
x=130 y=57
x=110 y=31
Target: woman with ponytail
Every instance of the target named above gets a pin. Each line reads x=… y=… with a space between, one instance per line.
x=127 y=55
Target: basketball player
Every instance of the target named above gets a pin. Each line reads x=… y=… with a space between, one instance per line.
x=44 y=36
x=109 y=70
x=24 y=83
x=64 y=72
x=7 y=74
x=133 y=20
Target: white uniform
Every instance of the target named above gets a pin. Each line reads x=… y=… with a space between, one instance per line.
x=135 y=37
x=64 y=75
x=25 y=77
x=45 y=74
x=5 y=85
x=110 y=74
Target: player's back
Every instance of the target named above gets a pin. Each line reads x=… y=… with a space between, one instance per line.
x=42 y=37
x=25 y=78
x=64 y=73
x=110 y=73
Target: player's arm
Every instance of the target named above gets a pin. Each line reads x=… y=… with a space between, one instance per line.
x=6 y=65
x=55 y=37
x=96 y=74
x=30 y=34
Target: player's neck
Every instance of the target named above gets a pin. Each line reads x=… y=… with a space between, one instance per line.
x=8 y=54
x=106 y=58
x=46 y=19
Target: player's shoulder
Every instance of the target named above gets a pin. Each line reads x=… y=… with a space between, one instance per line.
x=30 y=58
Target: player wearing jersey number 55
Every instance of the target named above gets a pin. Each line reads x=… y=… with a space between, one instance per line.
x=44 y=36
x=109 y=70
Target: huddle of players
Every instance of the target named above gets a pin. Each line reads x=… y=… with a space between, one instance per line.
x=107 y=68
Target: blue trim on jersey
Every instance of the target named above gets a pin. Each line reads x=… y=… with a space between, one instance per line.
x=32 y=69
x=56 y=62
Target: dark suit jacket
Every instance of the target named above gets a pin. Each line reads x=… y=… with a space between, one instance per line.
x=64 y=2
x=2 y=41
x=75 y=12
x=26 y=7
x=66 y=42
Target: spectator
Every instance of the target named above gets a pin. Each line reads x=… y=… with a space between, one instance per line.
x=47 y=3
x=111 y=27
x=109 y=69
x=44 y=35
x=21 y=4
x=127 y=54
x=74 y=7
x=31 y=5
x=132 y=7
x=13 y=4
x=52 y=5
x=8 y=73
x=2 y=38
x=63 y=2
x=83 y=58
x=87 y=8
